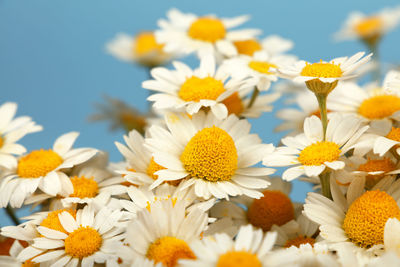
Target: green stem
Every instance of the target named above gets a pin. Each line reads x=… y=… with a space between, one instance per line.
x=254 y=96
x=325 y=184
x=322 y=108
x=376 y=73
x=11 y=214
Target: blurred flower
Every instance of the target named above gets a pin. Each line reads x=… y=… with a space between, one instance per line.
x=273 y=45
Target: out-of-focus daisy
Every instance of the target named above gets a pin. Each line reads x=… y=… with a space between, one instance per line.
x=310 y=154
x=142 y=48
x=359 y=218
x=260 y=68
x=11 y=260
x=322 y=77
x=43 y=169
x=205 y=87
x=163 y=233
x=85 y=240
x=369 y=28
x=186 y=33
x=250 y=248
x=214 y=156
x=272 y=44
x=11 y=130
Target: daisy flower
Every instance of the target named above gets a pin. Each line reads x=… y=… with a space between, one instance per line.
x=250 y=248
x=163 y=233
x=310 y=154
x=42 y=169
x=85 y=240
x=214 y=156
x=322 y=77
x=186 y=33
x=142 y=48
x=12 y=130
x=193 y=89
x=11 y=260
x=359 y=218
x=272 y=44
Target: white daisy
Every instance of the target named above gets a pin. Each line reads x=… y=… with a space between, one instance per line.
x=191 y=89
x=310 y=154
x=87 y=239
x=42 y=169
x=357 y=219
x=164 y=232
x=250 y=248
x=11 y=130
x=142 y=48
x=391 y=235
x=214 y=156
x=272 y=44
x=187 y=33
x=11 y=260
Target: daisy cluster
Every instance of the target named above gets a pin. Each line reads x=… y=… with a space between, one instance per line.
x=194 y=187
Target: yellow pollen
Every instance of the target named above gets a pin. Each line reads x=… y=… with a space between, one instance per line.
x=366 y=217
x=152 y=168
x=168 y=250
x=52 y=221
x=369 y=27
x=146 y=43
x=210 y=155
x=379 y=107
x=238 y=259
x=262 y=67
x=318 y=153
x=207 y=30
x=196 y=89
x=273 y=208
x=247 y=47
x=83 y=242
x=322 y=70
x=38 y=163
x=234 y=104
x=394 y=134
x=84 y=187
x=300 y=240
x=1 y=141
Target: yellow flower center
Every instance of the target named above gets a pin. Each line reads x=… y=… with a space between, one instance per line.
x=234 y=104
x=131 y=121
x=238 y=259
x=318 y=153
x=207 y=29
x=374 y=165
x=84 y=187
x=168 y=250
x=379 y=107
x=210 y=155
x=152 y=168
x=146 y=43
x=83 y=242
x=1 y=141
x=30 y=263
x=262 y=67
x=38 y=163
x=366 y=217
x=52 y=221
x=300 y=240
x=273 y=208
x=322 y=70
x=247 y=47
x=394 y=134
x=369 y=26
x=195 y=89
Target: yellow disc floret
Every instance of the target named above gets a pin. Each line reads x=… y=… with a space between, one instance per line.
x=196 y=89
x=369 y=27
x=146 y=43
x=234 y=104
x=152 y=168
x=379 y=107
x=52 y=221
x=84 y=187
x=318 y=153
x=30 y=263
x=384 y=165
x=168 y=250
x=38 y=163
x=247 y=47
x=273 y=208
x=261 y=66
x=238 y=259
x=299 y=240
x=210 y=155
x=394 y=134
x=322 y=70
x=1 y=141
x=83 y=242
x=366 y=217
x=207 y=29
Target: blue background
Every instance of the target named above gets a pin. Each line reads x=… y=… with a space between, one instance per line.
x=53 y=62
